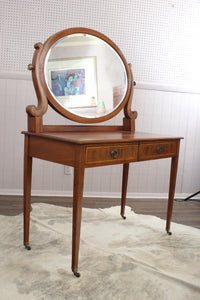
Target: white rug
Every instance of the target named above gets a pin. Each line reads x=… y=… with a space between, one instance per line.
x=131 y=259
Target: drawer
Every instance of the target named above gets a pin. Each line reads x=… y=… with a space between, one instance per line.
x=155 y=150
x=101 y=155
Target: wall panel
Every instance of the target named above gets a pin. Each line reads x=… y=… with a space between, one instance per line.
x=158 y=112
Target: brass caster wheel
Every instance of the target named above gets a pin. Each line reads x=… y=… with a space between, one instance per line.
x=77 y=274
x=27 y=247
x=169 y=232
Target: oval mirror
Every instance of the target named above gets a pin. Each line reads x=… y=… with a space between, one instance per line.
x=86 y=76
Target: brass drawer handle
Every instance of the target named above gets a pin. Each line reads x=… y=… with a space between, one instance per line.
x=114 y=153
x=159 y=149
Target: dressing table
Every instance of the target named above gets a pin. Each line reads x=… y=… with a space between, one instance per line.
x=84 y=77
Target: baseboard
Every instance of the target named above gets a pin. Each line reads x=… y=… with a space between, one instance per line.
x=43 y=193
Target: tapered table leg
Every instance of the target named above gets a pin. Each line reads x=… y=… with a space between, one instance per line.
x=27 y=191
x=124 y=188
x=77 y=213
x=172 y=184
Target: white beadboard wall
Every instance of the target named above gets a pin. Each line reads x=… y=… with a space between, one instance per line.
x=158 y=111
x=161 y=41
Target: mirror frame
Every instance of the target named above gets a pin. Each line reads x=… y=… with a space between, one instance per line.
x=55 y=104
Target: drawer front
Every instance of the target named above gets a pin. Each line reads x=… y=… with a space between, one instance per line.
x=111 y=154
x=155 y=150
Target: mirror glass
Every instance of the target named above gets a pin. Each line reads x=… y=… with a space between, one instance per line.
x=85 y=75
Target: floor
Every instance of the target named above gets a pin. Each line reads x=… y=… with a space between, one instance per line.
x=184 y=212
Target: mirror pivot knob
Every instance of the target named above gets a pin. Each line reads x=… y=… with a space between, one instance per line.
x=30 y=67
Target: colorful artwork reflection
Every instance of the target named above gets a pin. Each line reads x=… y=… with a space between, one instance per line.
x=68 y=82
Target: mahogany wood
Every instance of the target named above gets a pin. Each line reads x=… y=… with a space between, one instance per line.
x=35 y=113
x=130 y=116
x=81 y=128
x=88 y=145
x=27 y=190
x=103 y=154
x=77 y=212
x=93 y=137
x=124 y=188
x=153 y=151
x=82 y=150
x=173 y=174
x=55 y=151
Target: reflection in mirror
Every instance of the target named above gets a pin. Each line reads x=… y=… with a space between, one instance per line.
x=85 y=75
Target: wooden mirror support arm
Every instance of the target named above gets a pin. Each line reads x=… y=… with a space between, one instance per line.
x=35 y=114
x=130 y=116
